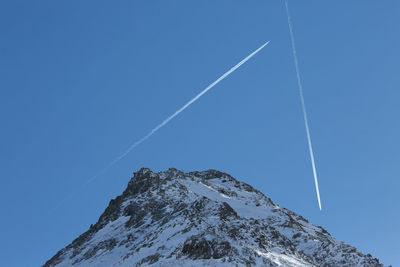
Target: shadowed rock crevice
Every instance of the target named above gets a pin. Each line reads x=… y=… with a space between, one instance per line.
x=197 y=247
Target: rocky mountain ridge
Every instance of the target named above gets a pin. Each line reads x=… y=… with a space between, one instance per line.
x=203 y=218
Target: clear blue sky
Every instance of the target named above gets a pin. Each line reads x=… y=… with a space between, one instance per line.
x=82 y=80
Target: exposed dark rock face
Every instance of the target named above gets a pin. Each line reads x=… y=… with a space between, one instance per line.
x=226 y=211
x=197 y=247
x=203 y=218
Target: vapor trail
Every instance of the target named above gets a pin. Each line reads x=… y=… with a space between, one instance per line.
x=303 y=105
x=158 y=127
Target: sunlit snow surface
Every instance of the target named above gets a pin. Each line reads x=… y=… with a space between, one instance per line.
x=172 y=207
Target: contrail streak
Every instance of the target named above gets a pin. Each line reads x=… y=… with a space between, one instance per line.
x=303 y=105
x=158 y=127
x=155 y=129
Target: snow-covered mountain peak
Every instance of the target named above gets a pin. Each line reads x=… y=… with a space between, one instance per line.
x=205 y=218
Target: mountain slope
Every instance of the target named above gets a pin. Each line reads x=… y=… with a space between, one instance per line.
x=202 y=219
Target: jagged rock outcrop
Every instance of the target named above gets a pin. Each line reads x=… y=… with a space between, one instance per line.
x=204 y=218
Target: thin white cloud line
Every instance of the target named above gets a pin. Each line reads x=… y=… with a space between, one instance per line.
x=303 y=105
x=155 y=129
x=163 y=123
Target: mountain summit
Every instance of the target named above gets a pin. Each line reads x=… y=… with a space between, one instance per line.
x=206 y=218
